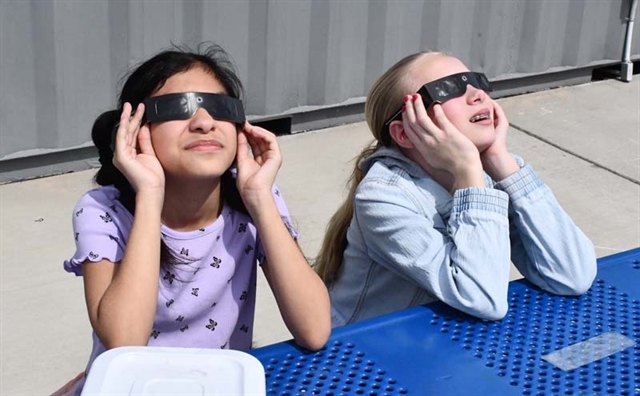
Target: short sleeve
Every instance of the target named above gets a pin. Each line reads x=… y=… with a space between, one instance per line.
x=101 y=227
x=286 y=219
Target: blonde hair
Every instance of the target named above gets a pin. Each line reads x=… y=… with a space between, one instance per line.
x=384 y=99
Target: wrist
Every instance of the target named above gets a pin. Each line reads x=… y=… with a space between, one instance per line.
x=150 y=198
x=470 y=176
x=499 y=165
x=258 y=203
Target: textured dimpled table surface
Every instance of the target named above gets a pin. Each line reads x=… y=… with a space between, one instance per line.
x=436 y=350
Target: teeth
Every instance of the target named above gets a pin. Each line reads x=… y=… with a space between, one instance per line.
x=479 y=117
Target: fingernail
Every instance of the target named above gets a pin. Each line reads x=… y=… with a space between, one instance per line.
x=404 y=108
x=415 y=96
x=406 y=98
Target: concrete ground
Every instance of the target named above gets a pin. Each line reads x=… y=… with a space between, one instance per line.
x=584 y=141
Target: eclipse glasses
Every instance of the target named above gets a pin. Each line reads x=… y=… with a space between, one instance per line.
x=449 y=87
x=182 y=106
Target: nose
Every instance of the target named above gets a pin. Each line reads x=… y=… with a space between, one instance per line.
x=202 y=122
x=475 y=95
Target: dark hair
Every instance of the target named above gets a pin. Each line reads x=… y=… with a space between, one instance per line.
x=141 y=83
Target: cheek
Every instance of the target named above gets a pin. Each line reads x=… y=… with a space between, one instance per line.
x=454 y=111
x=231 y=137
x=160 y=145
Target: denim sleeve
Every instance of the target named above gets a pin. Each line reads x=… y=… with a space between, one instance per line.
x=463 y=262
x=546 y=246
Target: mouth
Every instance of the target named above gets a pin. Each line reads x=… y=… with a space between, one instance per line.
x=483 y=115
x=204 y=145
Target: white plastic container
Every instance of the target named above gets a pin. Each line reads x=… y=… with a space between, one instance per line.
x=175 y=371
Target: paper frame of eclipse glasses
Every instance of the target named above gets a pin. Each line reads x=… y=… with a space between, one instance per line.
x=182 y=106
x=449 y=87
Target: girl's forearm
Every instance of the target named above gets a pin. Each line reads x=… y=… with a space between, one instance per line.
x=301 y=295
x=127 y=309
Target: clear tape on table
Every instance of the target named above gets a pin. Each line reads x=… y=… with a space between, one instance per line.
x=588 y=351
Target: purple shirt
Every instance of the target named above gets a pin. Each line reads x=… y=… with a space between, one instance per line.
x=207 y=300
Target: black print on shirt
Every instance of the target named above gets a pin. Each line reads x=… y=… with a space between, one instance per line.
x=201 y=229
x=243 y=296
x=180 y=318
x=276 y=191
x=114 y=238
x=242 y=227
x=168 y=276
x=212 y=325
x=217 y=238
x=216 y=262
x=186 y=327
x=106 y=218
x=248 y=249
x=214 y=304
x=78 y=213
x=93 y=255
x=169 y=303
x=244 y=328
x=195 y=291
x=155 y=334
x=113 y=207
x=287 y=224
x=184 y=251
x=223 y=346
x=77 y=233
x=229 y=280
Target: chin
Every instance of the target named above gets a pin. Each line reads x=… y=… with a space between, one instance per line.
x=200 y=173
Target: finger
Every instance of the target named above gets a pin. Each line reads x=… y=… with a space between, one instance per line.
x=258 y=148
x=498 y=114
x=257 y=131
x=243 y=147
x=252 y=147
x=415 y=136
x=422 y=116
x=122 y=135
x=144 y=141
x=134 y=124
x=409 y=113
x=262 y=142
x=441 y=118
x=412 y=135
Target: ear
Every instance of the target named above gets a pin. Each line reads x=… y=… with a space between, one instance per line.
x=398 y=134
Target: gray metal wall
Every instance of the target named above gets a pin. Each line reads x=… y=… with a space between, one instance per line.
x=61 y=60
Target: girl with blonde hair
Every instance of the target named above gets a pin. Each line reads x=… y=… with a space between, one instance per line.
x=438 y=206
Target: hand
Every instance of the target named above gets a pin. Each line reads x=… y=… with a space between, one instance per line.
x=257 y=173
x=496 y=160
x=501 y=125
x=442 y=146
x=134 y=155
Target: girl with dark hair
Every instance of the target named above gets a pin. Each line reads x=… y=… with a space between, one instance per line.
x=168 y=245
x=438 y=206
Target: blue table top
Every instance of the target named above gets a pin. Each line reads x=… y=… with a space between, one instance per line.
x=434 y=349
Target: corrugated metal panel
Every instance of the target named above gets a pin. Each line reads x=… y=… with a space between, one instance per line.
x=61 y=60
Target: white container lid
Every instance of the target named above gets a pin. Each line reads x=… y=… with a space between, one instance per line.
x=175 y=371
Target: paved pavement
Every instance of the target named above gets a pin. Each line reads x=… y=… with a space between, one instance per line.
x=584 y=141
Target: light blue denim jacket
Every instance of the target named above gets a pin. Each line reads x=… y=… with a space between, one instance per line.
x=410 y=243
